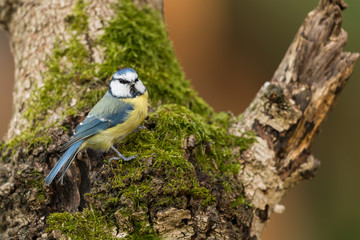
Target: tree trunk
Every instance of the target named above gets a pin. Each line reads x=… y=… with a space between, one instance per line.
x=199 y=174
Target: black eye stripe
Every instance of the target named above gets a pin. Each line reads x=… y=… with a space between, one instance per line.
x=123 y=81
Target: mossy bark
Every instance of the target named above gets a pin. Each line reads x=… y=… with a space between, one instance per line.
x=199 y=174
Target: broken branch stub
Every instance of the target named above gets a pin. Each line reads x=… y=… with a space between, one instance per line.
x=288 y=111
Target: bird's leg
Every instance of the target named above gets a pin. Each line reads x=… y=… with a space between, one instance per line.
x=120 y=156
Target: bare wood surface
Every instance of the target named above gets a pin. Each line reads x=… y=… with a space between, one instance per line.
x=288 y=110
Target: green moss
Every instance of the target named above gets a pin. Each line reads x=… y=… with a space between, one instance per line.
x=78 y=20
x=36 y=182
x=161 y=172
x=165 y=143
x=240 y=201
x=92 y=224
x=137 y=225
x=88 y=224
x=138 y=39
x=204 y=194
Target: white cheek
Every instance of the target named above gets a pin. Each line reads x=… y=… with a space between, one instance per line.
x=140 y=86
x=119 y=90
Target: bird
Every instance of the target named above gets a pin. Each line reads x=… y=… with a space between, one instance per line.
x=121 y=110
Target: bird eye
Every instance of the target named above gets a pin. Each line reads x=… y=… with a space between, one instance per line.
x=123 y=81
x=136 y=80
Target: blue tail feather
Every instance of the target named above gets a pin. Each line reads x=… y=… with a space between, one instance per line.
x=66 y=160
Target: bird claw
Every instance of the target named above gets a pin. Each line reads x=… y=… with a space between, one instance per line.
x=113 y=158
x=123 y=158
x=129 y=158
x=120 y=156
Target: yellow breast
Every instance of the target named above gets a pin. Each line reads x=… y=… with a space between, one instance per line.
x=103 y=140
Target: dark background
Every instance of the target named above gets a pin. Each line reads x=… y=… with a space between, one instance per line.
x=229 y=48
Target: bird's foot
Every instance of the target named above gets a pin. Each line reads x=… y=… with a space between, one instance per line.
x=120 y=156
x=123 y=158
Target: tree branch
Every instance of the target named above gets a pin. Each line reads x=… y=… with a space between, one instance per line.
x=288 y=111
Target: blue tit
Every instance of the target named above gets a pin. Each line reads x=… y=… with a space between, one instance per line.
x=117 y=114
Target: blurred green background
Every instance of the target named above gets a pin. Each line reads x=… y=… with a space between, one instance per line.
x=229 y=48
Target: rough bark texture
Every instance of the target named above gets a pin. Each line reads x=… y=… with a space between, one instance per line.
x=285 y=115
x=288 y=110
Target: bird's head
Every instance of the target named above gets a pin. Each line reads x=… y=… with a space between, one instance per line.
x=126 y=84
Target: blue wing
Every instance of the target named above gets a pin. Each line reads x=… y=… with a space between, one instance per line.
x=107 y=113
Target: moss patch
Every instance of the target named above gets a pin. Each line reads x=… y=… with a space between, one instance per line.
x=138 y=39
x=36 y=182
x=168 y=169
x=88 y=224
x=210 y=150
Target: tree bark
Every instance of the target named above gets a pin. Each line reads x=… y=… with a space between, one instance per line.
x=284 y=117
